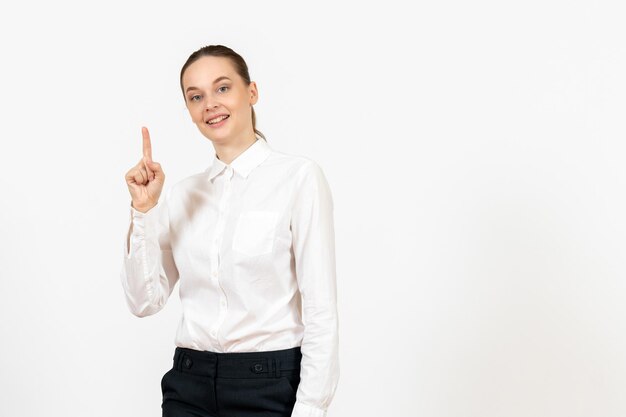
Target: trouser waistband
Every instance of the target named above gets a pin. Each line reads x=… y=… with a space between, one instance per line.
x=262 y=364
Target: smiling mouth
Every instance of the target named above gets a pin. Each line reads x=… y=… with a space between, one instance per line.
x=217 y=120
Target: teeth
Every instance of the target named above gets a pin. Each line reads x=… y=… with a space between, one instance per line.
x=219 y=119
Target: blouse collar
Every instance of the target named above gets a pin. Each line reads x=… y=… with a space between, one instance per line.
x=244 y=163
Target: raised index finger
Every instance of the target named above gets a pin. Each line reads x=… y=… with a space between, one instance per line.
x=147 y=147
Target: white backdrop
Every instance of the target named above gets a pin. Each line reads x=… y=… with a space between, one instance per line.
x=475 y=155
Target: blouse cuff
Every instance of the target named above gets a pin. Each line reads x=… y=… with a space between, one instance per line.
x=304 y=410
x=144 y=223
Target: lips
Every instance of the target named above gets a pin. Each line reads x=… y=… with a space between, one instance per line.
x=220 y=117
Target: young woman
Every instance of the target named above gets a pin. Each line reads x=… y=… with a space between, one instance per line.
x=251 y=242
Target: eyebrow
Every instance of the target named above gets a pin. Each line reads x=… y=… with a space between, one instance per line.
x=217 y=80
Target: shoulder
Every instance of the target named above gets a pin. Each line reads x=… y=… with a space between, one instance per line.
x=305 y=176
x=298 y=166
x=309 y=181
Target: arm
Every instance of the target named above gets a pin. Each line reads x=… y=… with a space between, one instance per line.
x=314 y=250
x=148 y=273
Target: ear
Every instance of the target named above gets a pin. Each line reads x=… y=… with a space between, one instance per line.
x=254 y=92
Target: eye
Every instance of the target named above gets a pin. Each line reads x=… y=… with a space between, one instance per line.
x=195 y=97
x=224 y=86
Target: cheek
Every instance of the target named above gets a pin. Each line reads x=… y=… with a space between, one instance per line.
x=196 y=115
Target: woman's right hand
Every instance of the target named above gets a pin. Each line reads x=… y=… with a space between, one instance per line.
x=145 y=180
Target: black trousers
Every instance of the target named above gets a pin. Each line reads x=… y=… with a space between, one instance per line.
x=238 y=384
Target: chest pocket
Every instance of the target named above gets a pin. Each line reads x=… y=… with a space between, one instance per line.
x=255 y=232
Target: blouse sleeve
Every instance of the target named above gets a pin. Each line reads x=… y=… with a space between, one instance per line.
x=314 y=251
x=148 y=273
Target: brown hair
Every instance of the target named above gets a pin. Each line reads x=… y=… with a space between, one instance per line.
x=238 y=62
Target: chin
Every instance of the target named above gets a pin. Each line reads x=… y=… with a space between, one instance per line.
x=215 y=139
x=210 y=135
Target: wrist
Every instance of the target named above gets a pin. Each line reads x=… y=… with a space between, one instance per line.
x=142 y=208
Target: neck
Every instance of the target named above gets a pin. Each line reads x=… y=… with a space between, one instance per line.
x=227 y=152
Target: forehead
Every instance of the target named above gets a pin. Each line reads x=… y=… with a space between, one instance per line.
x=205 y=70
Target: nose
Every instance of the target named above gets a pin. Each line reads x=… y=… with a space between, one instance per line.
x=209 y=105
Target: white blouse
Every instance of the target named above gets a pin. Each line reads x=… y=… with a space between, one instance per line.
x=252 y=245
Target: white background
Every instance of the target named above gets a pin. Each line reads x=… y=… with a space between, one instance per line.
x=476 y=157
